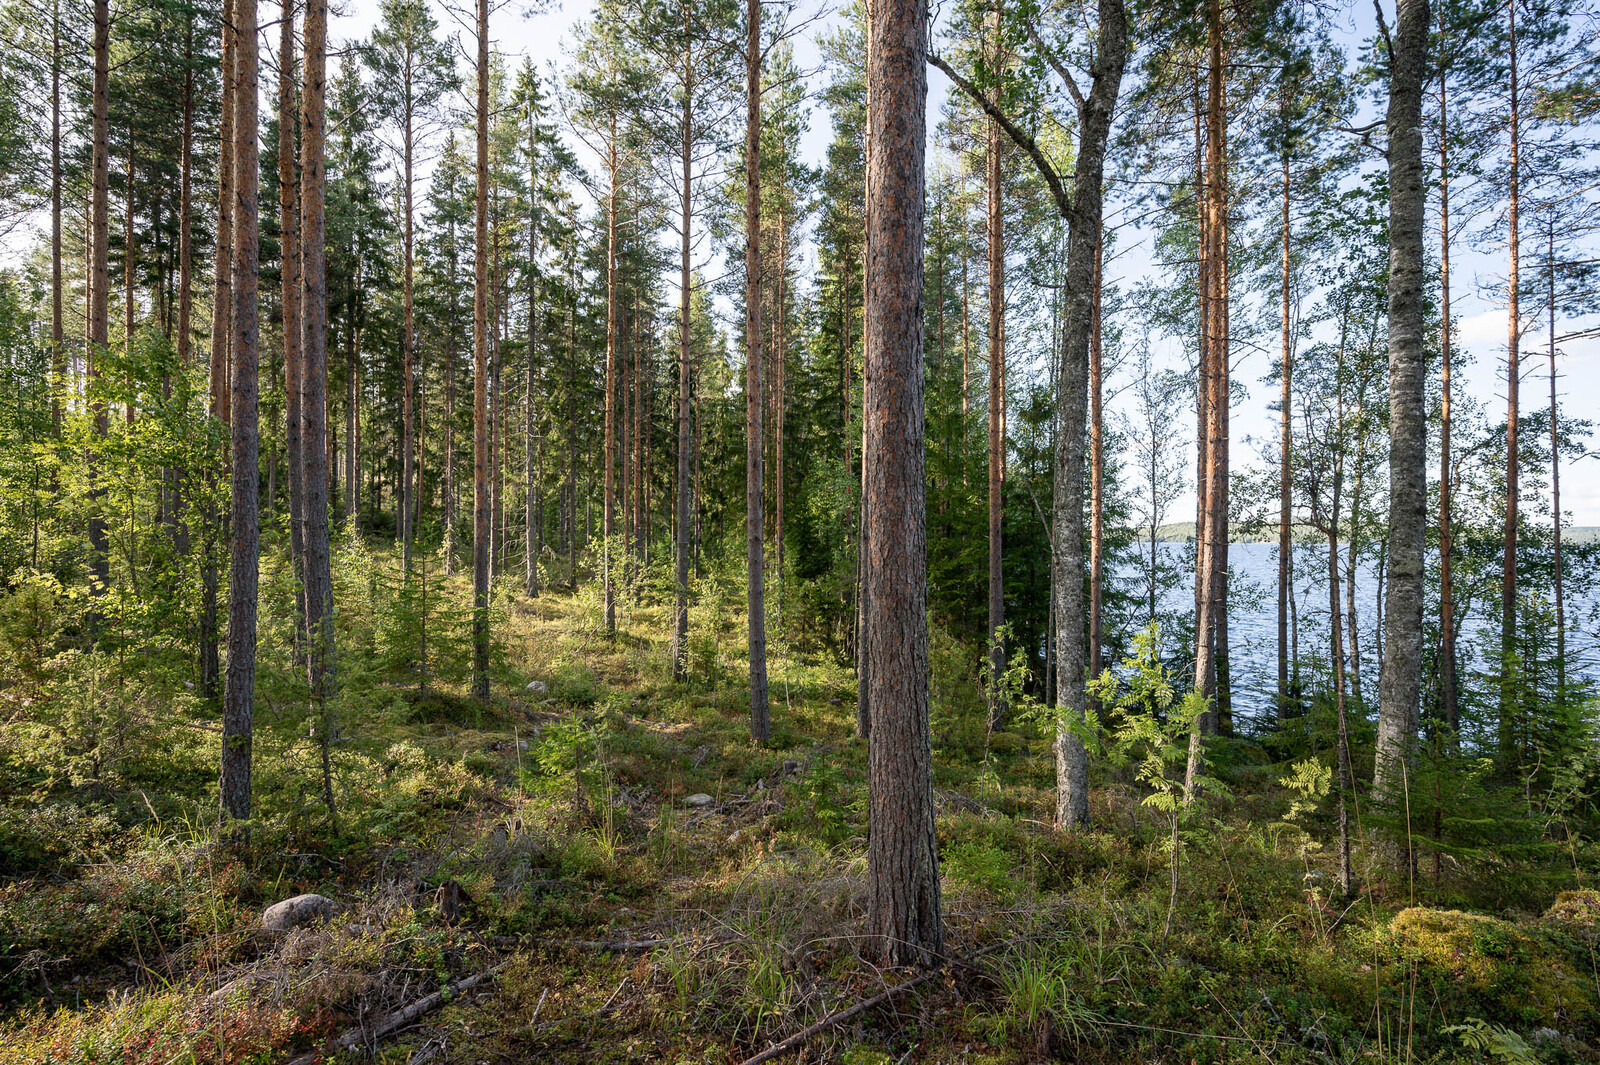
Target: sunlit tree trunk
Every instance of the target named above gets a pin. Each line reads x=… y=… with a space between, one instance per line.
x=1400 y=680
x=238 y=709
x=480 y=378
x=902 y=855
x=314 y=433
x=755 y=517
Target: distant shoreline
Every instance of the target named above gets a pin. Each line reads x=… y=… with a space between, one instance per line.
x=1182 y=532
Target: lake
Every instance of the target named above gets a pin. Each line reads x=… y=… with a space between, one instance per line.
x=1253 y=618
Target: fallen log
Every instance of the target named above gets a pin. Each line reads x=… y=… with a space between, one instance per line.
x=361 y=1034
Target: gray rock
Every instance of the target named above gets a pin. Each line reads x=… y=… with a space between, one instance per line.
x=699 y=798
x=300 y=910
x=538 y=687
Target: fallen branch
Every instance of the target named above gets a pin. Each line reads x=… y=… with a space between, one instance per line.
x=777 y=1050
x=361 y=1035
x=612 y=946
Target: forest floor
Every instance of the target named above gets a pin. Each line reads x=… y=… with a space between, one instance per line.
x=646 y=885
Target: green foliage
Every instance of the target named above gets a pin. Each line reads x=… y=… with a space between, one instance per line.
x=1500 y=1043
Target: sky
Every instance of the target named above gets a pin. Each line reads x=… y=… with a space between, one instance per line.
x=545 y=32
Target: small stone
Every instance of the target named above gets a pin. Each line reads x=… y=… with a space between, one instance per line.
x=300 y=910
x=538 y=687
x=699 y=798
x=522 y=745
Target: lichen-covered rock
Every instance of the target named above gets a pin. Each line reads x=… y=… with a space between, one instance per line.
x=1577 y=908
x=1521 y=972
x=300 y=910
x=698 y=799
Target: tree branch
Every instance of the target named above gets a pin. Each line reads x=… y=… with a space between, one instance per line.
x=1055 y=64
x=1022 y=140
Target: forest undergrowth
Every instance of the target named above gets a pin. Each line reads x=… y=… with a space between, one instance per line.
x=648 y=886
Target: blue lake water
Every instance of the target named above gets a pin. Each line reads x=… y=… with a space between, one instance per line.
x=1253 y=617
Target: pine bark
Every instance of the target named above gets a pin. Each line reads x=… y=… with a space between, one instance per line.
x=293 y=372
x=609 y=504
x=1447 y=621
x=221 y=317
x=98 y=334
x=238 y=709
x=755 y=438
x=314 y=399
x=902 y=855
x=1508 y=580
x=1285 y=449
x=680 y=609
x=480 y=378
x=408 y=323
x=1213 y=540
x=993 y=176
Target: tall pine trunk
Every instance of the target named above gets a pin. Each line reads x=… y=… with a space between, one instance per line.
x=238 y=708
x=680 y=610
x=98 y=334
x=293 y=372
x=1508 y=723
x=993 y=176
x=221 y=316
x=902 y=855
x=755 y=439
x=1447 y=612
x=314 y=400
x=480 y=378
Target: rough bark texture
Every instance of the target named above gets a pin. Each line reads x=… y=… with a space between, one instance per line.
x=680 y=606
x=289 y=272
x=408 y=322
x=1285 y=453
x=1401 y=682
x=1212 y=540
x=314 y=395
x=1083 y=232
x=1447 y=613
x=754 y=501
x=480 y=379
x=221 y=316
x=238 y=708
x=1508 y=577
x=993 y=177
x=610 y=502
x=99 y=328
x=902 y=855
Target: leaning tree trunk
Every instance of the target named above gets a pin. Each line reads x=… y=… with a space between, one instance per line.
x=902 y=855
x=238 y=707
x=754 y=501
